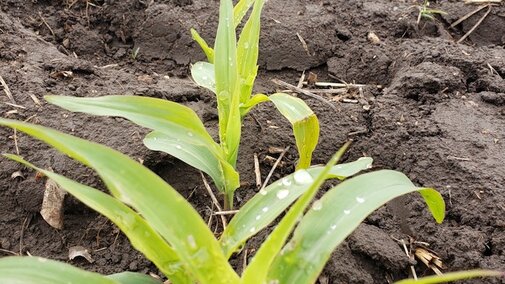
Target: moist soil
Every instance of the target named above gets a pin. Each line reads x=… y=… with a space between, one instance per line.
x=438 y=115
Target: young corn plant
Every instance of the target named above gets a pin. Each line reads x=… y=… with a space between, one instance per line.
x=230 y=75
x=162 y=225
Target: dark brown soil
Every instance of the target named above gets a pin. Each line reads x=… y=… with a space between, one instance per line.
x=439 y=118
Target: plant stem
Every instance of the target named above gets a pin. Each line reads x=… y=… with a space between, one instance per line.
x=228 y=201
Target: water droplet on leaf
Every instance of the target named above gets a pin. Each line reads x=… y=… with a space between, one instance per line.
x=283 y=193
x=286 y=182
x=302 y=177
x=317 y=205
x=360 y=199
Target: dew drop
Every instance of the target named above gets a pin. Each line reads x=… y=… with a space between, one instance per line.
x=190 y=134
x=286 y=181
x=283 y=193
x=333 y=227
x=178 y=147
x=246 y=45
x=347 y=212
x=303 y=177
x=258 y=217
x=317 y=205
x=41 y=259
x=191 y=242
x=205 y=78
x=360 y=199
x=252 y=230
x=263 y=192
x=265 y=209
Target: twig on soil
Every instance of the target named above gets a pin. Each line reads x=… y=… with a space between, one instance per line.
x=321 y=91
x=257 y=121
x=458 y=158
x=467 y=16
x=214 y=200
x=15 y=105
x=8 y=251
x=257 y=171
x=21 y=236
x=304 y=92
x=300 y=81
x=304 y=44
x=15 y=137
x=274 y=167
x=7 y=90
x=231 y=212
x=482 y=1
x=47 y=25
x=341 y=85
x=476 y=24
x=492 y=70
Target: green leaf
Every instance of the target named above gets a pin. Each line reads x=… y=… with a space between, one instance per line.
x=432 y=199
x=209 y=52
x=133 y=278
x=252 y=102
x=257 y=270
x=150 y=196
x=203 y=75
x=227 y=87
x=29 y=270
x=453 y=276
x=247 y=51
x=141 y=235
x=305 y=125
x=265 y=206
x=240 y=10
x=332 y=219
x=175 y=121
x=225 y=177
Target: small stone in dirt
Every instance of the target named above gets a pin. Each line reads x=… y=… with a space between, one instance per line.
x=497 y=99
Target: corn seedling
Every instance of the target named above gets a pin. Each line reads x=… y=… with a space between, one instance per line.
x=426 y=12
x=230 y=74
x=162 y=225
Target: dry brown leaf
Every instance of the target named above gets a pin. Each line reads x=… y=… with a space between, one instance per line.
x=52 y=204
x=76 y=251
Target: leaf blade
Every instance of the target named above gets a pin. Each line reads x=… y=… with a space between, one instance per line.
x=345 y=207
x=305 y=125
x=141 y=235
x=140 y=188
x=29 y=270
x=269 y=207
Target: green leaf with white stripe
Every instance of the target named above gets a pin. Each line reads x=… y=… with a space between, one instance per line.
x=156 y=201
x=333 y=218
x=141 y=235
x=270 y=202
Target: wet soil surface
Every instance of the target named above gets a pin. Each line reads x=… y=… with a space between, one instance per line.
x=438 y=116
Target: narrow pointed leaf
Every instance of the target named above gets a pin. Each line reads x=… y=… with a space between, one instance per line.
x=175 y=121
x=133 y=278
x=305 y=125
x=257 y=270
x=203 y=74
x=266 y=206
x=453 y=276
x=252 y=102
x=337 y=214
x=247 y=51
x=226 y=74
x=432 y=199
x=240 y=10
x=154 y=199
x=141 y=235
x=198 y=155
x=29 y=270
x=157 y=114
x=209 y=52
